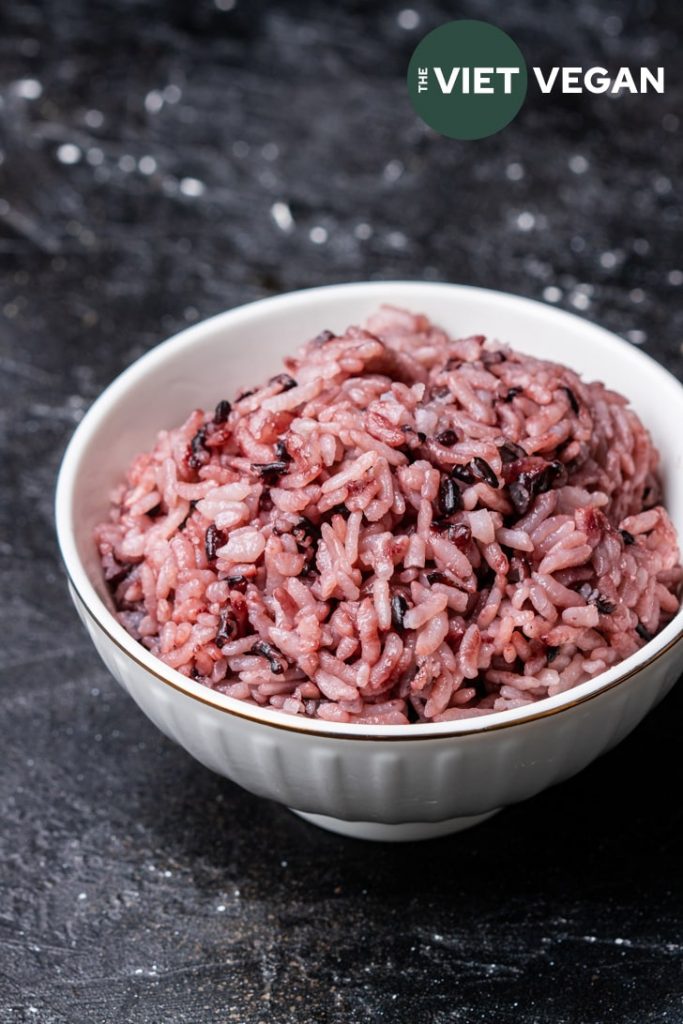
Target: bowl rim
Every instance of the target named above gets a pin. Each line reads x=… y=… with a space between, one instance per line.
x=86 y=594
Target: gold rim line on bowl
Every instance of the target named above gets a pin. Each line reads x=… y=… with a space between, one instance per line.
x=291 y=727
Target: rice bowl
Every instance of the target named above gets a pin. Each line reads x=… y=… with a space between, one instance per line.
x=390 y=782
x=400 y=527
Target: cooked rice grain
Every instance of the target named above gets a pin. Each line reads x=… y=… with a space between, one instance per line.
x=401 y=528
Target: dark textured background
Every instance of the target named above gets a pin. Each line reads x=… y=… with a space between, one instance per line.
x=144 y=149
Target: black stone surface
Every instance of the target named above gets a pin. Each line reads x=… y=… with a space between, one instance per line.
x=144 y=147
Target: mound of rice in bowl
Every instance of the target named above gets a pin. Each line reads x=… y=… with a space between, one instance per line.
x=400 y=527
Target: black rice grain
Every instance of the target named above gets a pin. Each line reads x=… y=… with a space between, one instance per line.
x=572 y=399
x=198 y=453
x=275 y=660
x=238 y=583
x=460 y=535
x=463 y=473
x=270 y=470
x=593 y=596
x=281 y=452
x=481 y=469
x=284 y=380
x=399 y=607
x=214 y=539
x=510 y=452
x=512 y=393
x=222 y=411
x=449 y=500
x=227 y=628
x=305 y=532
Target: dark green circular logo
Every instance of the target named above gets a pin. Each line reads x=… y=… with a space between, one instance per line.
x=467 y=79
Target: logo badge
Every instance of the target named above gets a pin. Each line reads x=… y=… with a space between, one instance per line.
x=467 y=79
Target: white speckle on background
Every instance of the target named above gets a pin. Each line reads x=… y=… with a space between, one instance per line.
x=636 y=337
x=675 y=277
x=192 y=187
x=318 y=235
x=408 y=19
x=172 y=94
x=67 y=153
x=393 y=171
x=397 y=240
x=154 y=101
x=282 y=215
x=525 y=221
x=362 y=231
x=636 y=295
x=608 y=260
x=28 y=89
x=94 y=156
x=127 y=163
x=552 y=294
x=514 y=171
x=147 y=165
x=578 y=164
x=579 y=300
x=94 y=118
x=225 y=5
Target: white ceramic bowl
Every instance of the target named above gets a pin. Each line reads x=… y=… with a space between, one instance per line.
x=391 y=782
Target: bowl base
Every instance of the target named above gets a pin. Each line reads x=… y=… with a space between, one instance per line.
x=403 y=832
